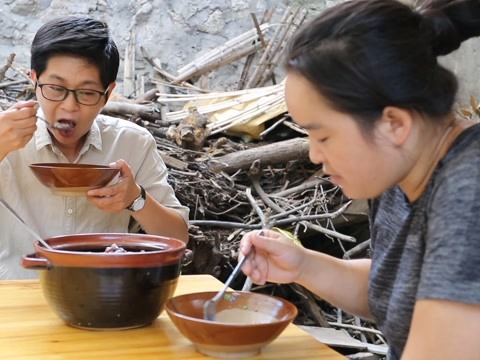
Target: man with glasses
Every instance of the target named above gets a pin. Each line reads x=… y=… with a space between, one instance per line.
x=74 y=65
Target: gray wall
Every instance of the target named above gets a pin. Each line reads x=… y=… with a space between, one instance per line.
x=177 y=31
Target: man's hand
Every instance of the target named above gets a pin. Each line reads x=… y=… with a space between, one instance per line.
x=116 y=197
x=17 y=126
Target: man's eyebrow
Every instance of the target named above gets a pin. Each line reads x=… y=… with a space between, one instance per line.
x=86 y=82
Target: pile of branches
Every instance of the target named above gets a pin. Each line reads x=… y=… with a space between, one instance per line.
x=235 y=177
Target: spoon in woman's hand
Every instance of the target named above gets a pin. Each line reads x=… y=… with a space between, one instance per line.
x=210 y=306
x=57 y=125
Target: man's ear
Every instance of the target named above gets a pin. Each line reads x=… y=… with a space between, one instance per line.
x=396 y=124
x=33 y=76
x=110 y=90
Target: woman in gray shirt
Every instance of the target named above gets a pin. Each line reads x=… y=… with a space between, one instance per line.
x=364 y=80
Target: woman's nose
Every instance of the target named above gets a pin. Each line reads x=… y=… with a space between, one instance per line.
x=315 y=154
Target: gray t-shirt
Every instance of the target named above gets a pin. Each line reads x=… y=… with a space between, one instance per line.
x=429 y=249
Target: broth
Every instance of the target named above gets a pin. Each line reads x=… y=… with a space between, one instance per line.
x=243 y=316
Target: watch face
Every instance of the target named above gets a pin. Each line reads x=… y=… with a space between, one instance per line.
x=139 y=204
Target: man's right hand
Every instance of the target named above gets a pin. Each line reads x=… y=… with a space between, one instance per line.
x=17 y=125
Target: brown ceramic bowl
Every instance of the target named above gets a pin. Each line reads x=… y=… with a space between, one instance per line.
x=245 y=323
x=90 y=288
x=73 y=179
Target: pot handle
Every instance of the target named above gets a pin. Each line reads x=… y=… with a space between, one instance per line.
x=187 y=257
x=33 y=262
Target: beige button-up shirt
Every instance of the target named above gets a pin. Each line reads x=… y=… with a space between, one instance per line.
x=109 y=140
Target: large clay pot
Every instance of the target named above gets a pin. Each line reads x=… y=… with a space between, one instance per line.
x=93 y=289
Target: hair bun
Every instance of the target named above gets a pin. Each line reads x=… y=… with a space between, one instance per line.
x=441 y=32
x=448 y=23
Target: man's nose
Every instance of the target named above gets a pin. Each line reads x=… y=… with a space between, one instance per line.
x=70 y=102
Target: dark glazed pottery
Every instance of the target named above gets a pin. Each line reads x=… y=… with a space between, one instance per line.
x=90 y=288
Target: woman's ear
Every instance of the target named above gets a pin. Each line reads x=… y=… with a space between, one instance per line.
x=395 y=125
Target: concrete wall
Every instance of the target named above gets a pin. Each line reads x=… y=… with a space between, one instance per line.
x=177 y=31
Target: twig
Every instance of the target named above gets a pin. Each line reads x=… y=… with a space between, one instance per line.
x=360 y=248
x=261 y=215
x=313 y=309
x=300 y=188
x=224 y=224
x=355 y=327
x=4 y=68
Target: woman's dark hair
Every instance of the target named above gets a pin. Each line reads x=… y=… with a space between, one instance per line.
x=77 y=36
x=364 y=55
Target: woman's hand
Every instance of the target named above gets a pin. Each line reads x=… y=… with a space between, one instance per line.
x=17 y=126
x=277 y=258
x=274 y=258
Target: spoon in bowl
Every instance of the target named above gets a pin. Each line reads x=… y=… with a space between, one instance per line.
x=11 y=211
x=210 y=306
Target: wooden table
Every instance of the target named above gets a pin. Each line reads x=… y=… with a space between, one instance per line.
x=29 y=329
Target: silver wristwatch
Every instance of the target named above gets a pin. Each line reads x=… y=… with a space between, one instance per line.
x=139 y=202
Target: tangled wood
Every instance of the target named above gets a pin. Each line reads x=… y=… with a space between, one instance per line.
x=238 y=162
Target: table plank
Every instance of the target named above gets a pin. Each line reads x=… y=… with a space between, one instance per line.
x=29 y=329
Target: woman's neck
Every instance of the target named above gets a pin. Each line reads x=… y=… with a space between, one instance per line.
x=416 y=182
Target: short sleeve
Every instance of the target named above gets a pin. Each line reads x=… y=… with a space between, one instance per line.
x=451 y=268
x=153 y=175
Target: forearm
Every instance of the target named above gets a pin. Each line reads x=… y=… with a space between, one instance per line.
x=157 y=219
x=443 y=330
x=343 y=283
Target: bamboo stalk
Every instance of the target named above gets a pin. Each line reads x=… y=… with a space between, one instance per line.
x=246 y=37
x=244 y=96
x=248 y=62
x=164 y=97
x=129 y=66
x=256 y=75
x=223 y=59
x=158 y=68
x=250 y=114
x=279 y=45
x=228 y=52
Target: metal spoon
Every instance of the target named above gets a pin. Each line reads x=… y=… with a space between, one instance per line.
x=210 y=306
x=57 y=125
x=11 y=211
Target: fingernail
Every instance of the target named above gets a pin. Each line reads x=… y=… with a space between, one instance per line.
x=36 y=106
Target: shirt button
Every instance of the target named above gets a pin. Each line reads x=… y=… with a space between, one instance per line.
x=70 y=211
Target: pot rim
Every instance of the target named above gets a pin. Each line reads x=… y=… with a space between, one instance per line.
x=169 y=255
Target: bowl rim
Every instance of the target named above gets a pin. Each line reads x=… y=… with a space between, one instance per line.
x=287 y=319
x=70 y=166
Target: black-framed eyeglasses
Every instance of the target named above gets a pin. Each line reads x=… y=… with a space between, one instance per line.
x=54 y=92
